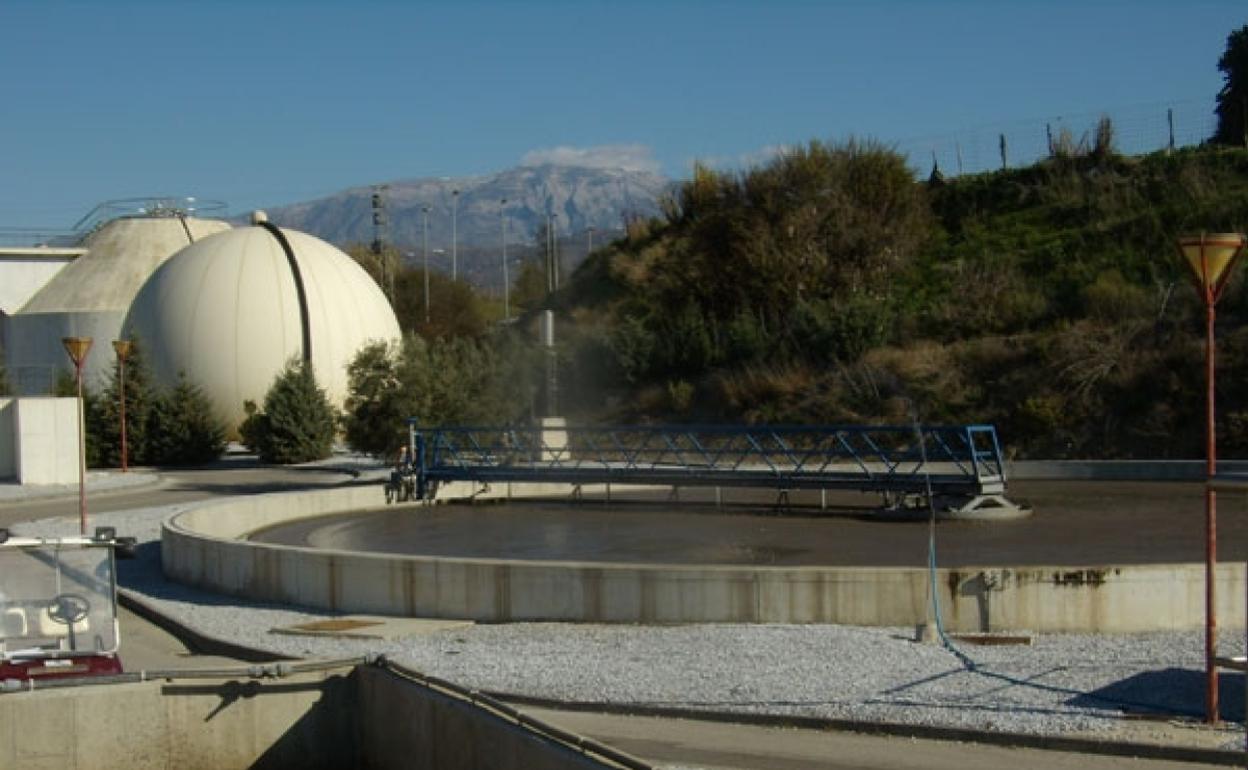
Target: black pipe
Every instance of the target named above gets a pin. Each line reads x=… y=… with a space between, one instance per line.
x=276 y=232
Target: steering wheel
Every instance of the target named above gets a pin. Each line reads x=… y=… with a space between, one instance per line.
x=68 y=609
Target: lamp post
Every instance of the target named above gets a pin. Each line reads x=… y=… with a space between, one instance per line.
x=122 y=348
x=454 y=234
x=502 y=217
x=1211 y=258
x=425 y=211
x=77 y=348
x=552 y=254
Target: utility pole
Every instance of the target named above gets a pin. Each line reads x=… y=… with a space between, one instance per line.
x=379 y=238
x=454 y=235
x=502 y=217
x=425 y=211
x=554 y=250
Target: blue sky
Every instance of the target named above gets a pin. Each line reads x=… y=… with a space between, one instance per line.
x=266 y=102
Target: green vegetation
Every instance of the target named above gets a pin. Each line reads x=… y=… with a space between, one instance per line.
x=163 y=426
x=183 y=427
x=831 y=286
x=443 y=381
x=1232 y=108
x=455 y=310
x=297 y=423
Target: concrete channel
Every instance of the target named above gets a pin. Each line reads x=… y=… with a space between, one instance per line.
x=351 y=714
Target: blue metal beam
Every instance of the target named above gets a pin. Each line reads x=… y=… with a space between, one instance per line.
x=962 y=460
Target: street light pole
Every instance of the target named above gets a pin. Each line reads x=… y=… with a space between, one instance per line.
x=1211 y=258
x=502 y=216
x=554 y=251
x=77 y=348
x=425 y=211
x=122 y=348
x=454 y=235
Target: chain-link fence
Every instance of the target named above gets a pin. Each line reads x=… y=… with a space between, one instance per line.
x=1136 y=131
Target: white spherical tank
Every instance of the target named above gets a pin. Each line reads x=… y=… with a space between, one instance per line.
x=226 y=311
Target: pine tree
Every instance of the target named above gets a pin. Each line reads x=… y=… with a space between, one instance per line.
x=141 y=398
x=184 y=428
x=297 y=423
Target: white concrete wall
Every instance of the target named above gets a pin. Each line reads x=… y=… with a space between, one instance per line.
x=23 y=272
x=202 y=547
x=45 y=440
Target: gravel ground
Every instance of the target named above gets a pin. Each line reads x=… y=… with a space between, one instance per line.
x=1060 y=684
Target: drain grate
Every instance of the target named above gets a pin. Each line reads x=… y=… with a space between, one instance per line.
x=334 y=626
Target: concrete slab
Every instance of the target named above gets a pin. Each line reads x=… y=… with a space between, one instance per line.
x=372 y=627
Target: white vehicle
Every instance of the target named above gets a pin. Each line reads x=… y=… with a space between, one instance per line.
x=58 y=605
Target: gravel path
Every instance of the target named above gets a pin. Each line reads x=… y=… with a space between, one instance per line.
x=1060 y=684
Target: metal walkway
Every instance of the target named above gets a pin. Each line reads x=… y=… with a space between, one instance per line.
x=961 y=463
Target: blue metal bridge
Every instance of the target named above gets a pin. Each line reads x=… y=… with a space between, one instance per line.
x=960 y=463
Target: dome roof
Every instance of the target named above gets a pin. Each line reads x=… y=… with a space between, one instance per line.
x=120 y=257
x=225 y=311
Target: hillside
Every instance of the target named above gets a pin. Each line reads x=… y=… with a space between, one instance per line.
x=830 y=286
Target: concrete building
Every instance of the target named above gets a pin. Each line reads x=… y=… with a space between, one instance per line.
x=232 y=309
x=84 y=291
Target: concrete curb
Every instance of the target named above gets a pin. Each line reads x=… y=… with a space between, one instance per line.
x=897 y=729
x=195 y=641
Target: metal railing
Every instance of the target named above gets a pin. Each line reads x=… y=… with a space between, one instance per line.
x=101 y=214
x=962 y=460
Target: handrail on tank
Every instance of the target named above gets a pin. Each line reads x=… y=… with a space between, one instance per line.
x=149 y=206
x=949 y=460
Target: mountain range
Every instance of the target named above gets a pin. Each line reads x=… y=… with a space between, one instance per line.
x=575 y=198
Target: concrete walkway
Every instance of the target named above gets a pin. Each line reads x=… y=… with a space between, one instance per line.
x=722 y=746
x=98 y=482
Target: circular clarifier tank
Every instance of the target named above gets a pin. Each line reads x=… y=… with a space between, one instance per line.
x=1083 y=523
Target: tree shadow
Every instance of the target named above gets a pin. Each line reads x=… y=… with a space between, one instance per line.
x=1168 y=691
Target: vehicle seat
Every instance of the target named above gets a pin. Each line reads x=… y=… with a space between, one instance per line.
x=13 y=623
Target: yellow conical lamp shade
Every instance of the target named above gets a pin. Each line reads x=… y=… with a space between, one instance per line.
x=77 y=348
x=1210 y=255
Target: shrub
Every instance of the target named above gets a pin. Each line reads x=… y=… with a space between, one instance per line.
x=824 y=331
x=377 y=401
x=443 y=382
x=184 y=428
x=141 y=398
x=633 y=345
x=297 y=422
